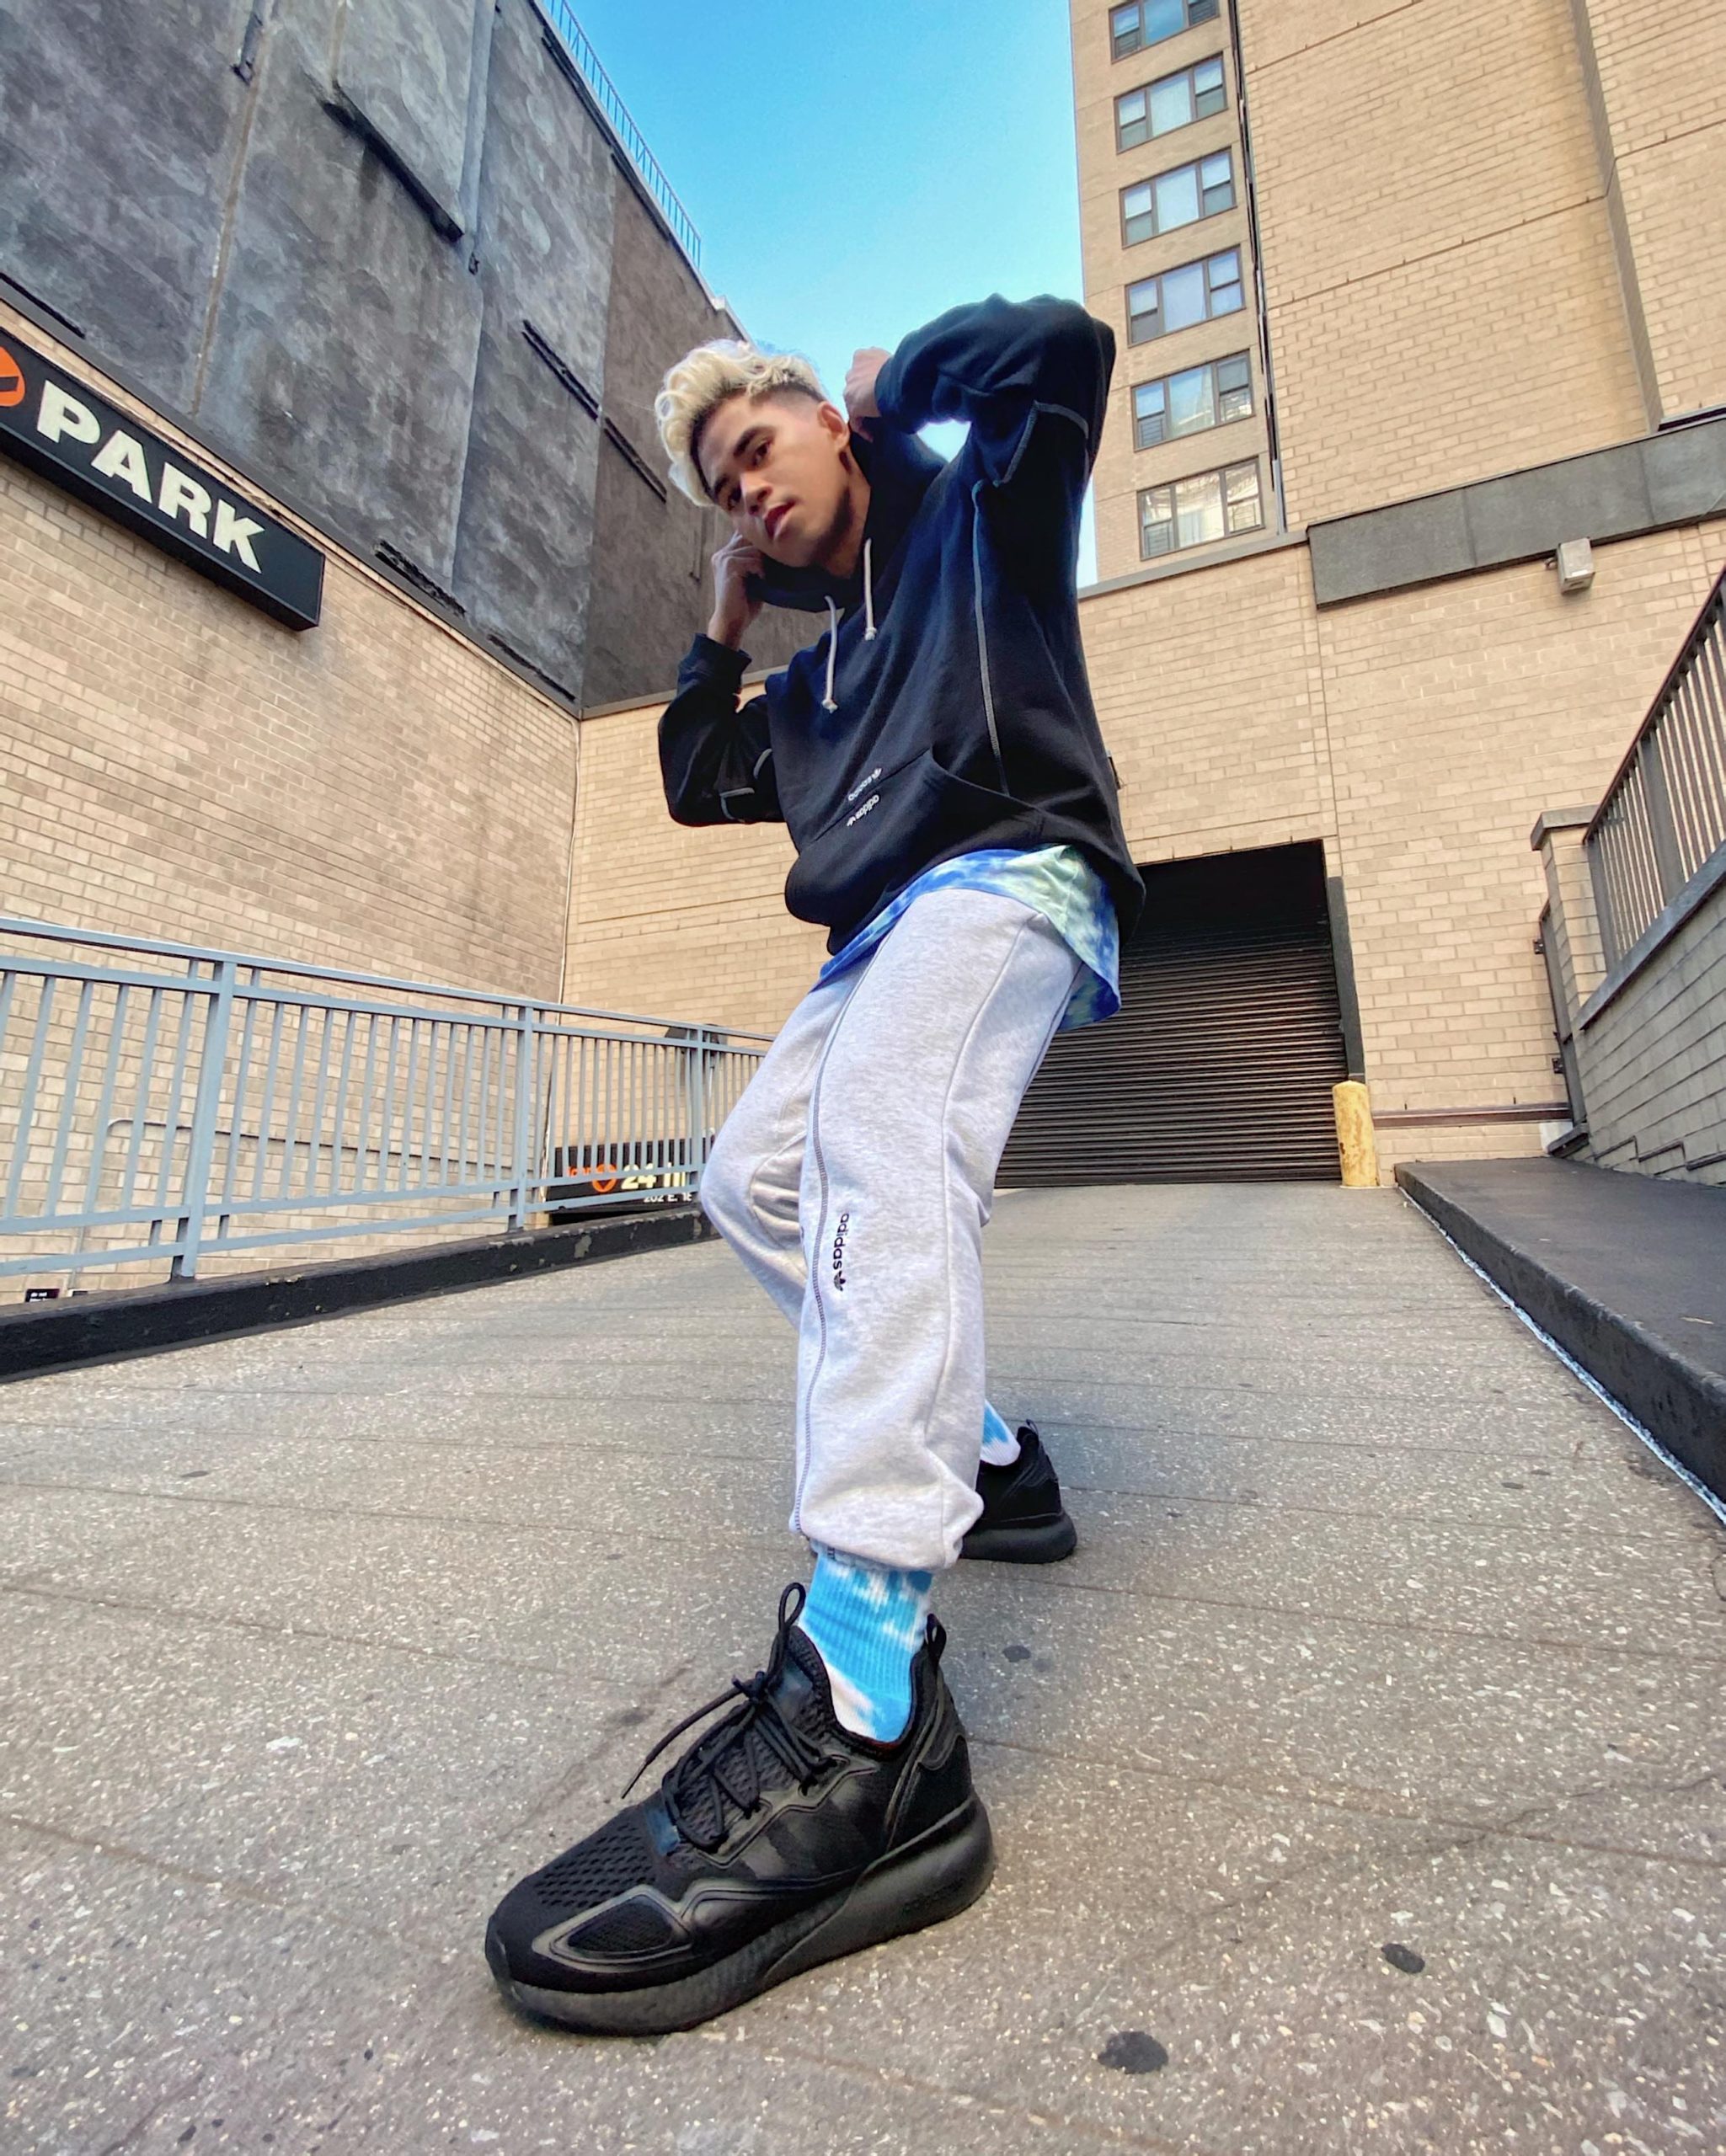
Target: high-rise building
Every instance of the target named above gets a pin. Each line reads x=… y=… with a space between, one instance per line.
x=1406 y=298
x=1369 y=252
x=1188 y=460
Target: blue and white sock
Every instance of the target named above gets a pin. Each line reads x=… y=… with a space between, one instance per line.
x=1000 y=1445
x=866 y=1622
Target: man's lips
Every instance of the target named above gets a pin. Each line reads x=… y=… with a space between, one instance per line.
x=776 y=516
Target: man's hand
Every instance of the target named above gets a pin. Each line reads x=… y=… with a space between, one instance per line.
x=734 y=604
x=860 y=405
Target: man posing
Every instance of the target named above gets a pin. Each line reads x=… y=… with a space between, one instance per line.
x=936 y=757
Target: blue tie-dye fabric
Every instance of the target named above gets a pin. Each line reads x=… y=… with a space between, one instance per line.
x=866 y=1622
x=1057 y=882
x=1001 y=1446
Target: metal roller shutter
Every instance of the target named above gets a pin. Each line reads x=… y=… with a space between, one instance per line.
x=1220 y=1065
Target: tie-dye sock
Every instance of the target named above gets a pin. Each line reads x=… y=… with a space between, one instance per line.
x=867 y=1622
x=1000 y=1445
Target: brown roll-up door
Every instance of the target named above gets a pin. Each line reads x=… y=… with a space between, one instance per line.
x=1220 y=1065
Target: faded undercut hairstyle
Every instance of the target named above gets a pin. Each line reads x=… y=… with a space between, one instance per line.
x=701 y=380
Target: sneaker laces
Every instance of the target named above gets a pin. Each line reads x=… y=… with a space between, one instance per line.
x=735 y=1759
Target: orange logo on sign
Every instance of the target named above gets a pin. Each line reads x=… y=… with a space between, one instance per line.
x=11 y=379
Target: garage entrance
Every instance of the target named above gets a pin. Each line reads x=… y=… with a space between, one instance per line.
x=1220 y=1064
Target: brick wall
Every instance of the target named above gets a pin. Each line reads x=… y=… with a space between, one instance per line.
x=1444 y=302
x=1418 y=735
x=1658 y=79
x=1456 y=714
x=372 y=794
x=669 y=917
x=1208 y=693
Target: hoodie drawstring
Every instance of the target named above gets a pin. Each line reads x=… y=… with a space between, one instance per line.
x=827 y=702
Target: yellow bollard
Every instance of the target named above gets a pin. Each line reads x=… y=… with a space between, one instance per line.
x=1355 y=1143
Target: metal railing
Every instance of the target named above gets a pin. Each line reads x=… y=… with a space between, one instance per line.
x=574 y=40
x=1663 y=816
x=161 y=1104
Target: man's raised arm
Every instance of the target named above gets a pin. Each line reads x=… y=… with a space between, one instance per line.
x=1005 y=367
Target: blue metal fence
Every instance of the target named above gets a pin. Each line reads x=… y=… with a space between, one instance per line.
x=161 y=1104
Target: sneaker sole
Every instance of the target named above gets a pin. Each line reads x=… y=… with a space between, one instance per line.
x=944 y=1870
x=1039 y=1542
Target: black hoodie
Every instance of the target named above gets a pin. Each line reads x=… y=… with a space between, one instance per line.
x=945 y=708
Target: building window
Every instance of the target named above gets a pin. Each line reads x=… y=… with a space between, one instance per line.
x=1177 y=101
x=1157 y=307
x=1181 y=197
x=1148 y=22
x=1193 y=512
x=1188 y=403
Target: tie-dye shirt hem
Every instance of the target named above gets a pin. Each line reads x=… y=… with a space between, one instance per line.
x=1058 y=882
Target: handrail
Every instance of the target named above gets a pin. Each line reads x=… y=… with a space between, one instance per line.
x=243 y=1103
x=107 y=940
x=1663 y=817
x=576 y=42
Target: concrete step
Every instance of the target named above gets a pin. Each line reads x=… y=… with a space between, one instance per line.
x=1626 y=1272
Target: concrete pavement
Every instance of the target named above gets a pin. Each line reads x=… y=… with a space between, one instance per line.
x=1361 y=1784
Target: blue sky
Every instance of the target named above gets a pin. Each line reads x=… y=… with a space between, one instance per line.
x=852 y=172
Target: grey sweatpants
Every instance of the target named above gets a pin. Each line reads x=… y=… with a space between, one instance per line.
x=854 y=1178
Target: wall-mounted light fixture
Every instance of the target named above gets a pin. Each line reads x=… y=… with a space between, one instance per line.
x=1574 y=561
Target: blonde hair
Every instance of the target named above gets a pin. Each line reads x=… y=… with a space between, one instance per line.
x=701 y=380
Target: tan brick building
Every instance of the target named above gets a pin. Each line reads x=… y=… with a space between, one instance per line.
x=1456 y=271
x=1419 y=284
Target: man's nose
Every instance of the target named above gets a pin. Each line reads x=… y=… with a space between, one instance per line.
x=758 y=493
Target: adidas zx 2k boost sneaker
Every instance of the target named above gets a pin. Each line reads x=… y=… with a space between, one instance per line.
x=1024 y=1521
x=777 y=1841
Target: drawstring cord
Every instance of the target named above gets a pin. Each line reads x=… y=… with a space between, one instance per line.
x=827 y=702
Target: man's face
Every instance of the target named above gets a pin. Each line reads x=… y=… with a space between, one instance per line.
x=772 y=464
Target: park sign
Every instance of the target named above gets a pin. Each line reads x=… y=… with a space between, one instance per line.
x=59 y=427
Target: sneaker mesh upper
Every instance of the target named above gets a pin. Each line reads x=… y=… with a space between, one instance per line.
x=611 y=1861
x=630 y=1928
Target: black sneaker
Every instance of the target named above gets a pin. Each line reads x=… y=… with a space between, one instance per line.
x=1023 y=1521
x=779 y=1840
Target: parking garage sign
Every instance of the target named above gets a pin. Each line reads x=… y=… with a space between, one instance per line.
x=59 y=427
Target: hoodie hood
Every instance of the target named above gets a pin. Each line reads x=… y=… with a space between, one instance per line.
x=898 y=467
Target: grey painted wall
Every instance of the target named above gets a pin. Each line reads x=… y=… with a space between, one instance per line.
x=315 y=229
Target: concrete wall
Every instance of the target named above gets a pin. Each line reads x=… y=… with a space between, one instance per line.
x=652 y=583
x=1654 y=1059
x=1648 y=1042
x=315 y=231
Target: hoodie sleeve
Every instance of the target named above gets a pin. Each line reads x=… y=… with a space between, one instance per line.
x=1031 y=377
x=715 y=759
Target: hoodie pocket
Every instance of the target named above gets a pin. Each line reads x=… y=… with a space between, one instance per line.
x=909 y=816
